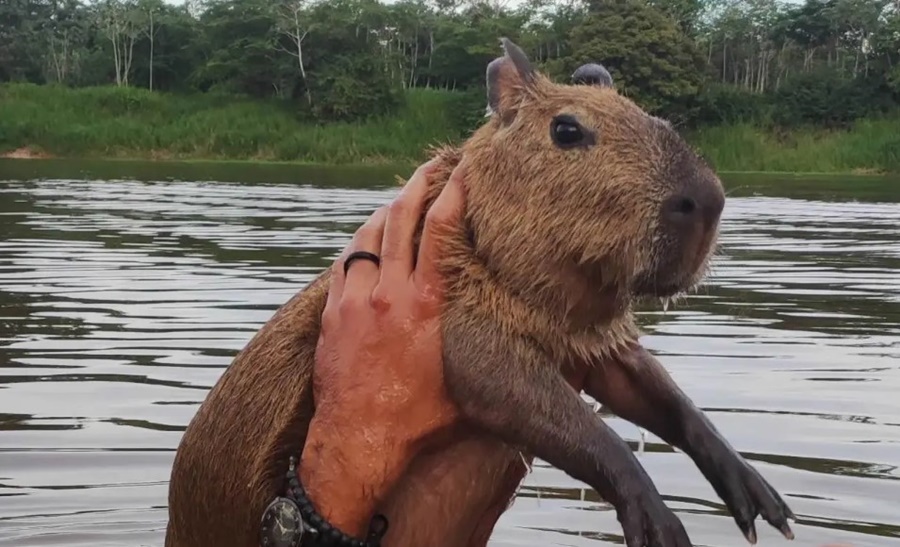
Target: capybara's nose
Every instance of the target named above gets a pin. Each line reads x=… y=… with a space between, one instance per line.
x=699 y=201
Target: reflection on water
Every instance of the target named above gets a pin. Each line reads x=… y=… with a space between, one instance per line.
x=121 y=302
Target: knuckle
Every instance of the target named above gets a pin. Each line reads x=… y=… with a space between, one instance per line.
x=359 y=234
x=381 y=299
x=364 y=236
x=349 y=307
x=399 y=207
x=389 y=253
x=329 y=318
x=436 y=217
x=370 y=226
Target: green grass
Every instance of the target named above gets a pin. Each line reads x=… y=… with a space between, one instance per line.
x=109 y=122
x=868 y=146
x=135 y=123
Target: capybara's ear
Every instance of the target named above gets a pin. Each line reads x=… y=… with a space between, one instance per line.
x=592 y=74
x=508 y=77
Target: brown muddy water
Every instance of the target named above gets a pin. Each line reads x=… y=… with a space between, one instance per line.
x=126 y=288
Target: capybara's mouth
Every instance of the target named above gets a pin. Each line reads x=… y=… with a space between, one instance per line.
x=660 y=290
x=666 y=290
x=679 y=274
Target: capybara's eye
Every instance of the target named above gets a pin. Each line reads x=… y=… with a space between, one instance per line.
x=566 y=132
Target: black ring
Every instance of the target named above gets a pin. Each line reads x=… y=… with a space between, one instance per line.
x=365 y=255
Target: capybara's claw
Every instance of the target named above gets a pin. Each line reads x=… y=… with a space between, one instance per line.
x=647 y=522
x=748 y=495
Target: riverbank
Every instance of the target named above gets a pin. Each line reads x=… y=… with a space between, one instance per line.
x=107 y=122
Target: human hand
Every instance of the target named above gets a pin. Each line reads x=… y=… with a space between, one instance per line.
x=379 y=362
x=378 y=382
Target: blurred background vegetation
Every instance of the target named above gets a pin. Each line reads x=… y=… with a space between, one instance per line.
x=757 y=84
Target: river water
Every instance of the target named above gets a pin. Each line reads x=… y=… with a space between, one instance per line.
x=125 y=289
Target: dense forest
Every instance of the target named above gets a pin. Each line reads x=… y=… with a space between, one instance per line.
x=760 y=84
x=822 y=61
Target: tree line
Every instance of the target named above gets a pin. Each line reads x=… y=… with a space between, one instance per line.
x=825 y=62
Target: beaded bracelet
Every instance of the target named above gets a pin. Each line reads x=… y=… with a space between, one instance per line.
x=328 y=534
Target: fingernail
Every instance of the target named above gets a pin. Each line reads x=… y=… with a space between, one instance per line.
x=430 y=165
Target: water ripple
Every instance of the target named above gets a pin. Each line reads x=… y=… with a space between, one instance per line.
x=122 y=302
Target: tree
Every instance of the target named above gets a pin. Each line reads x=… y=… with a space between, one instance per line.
x=119 y=21
x=648 y=55
x=149 y=11
x=239 y=44
x=344 y=59
x=21 y=42
x=65 y=31
x=686 y=13
x=292 y=24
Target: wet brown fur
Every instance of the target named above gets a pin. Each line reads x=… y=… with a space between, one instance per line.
x=553 y=241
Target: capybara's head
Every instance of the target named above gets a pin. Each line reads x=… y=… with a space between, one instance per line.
x=576 y=185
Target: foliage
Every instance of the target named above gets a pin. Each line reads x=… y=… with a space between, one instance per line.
x=133 y=122
x=724 y=104
x=699 y=62
x=866 y=146
x=825 y=98
x=648 y=55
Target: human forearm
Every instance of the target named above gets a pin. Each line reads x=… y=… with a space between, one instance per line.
x=347 y=472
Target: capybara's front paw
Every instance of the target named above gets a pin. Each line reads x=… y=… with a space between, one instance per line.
x=647 y=522
x=747 y=495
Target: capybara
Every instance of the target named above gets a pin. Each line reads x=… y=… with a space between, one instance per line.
x=579 y=204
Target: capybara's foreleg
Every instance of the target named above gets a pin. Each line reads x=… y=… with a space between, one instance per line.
x=636 y=387
x=504 y=385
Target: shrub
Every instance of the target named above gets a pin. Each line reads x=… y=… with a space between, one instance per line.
x=827 y=99
x=727 y=104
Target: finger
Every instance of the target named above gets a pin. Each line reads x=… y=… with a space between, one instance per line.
x=744 y=518
x=442 y=218
x=740 y=503
x=787 y=511
x=402 y=220
x=775 y=510
x=771 y=512
x=732 y=492
x=362 y=275
x=335 y=289
x=783 y=506
x=336 y=283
